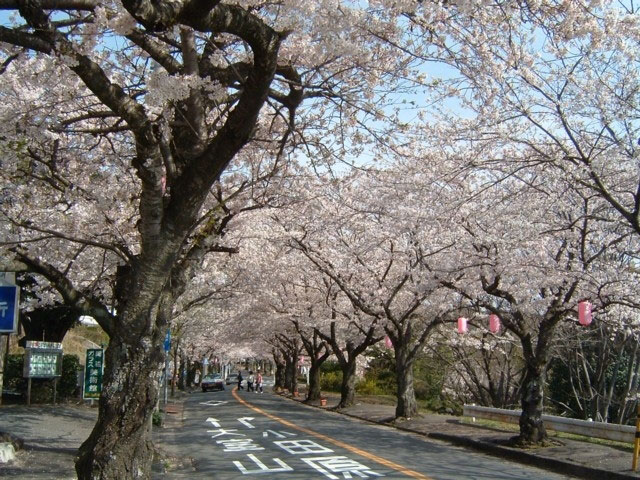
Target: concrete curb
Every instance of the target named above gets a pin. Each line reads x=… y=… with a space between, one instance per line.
x=7 y=452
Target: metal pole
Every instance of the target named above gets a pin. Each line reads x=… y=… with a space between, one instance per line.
x=166 y=377
x=3 y=363
x=636 y=443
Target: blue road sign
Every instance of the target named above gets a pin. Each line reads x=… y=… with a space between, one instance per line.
x=9 y=300
x=167 y=341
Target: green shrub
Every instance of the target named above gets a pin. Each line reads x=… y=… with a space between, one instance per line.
x=368 y=386
x=157 y=418
x=42 y=388
x=331 y=381
x=12 y=379
x=68 y=383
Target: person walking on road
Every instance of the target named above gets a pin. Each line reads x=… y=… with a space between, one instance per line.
x=240 y=381
x=250 y=381
x=259 y=382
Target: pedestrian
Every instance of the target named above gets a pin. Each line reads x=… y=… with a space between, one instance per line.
x=250 y=381
x=259 y=382
x=240 y=381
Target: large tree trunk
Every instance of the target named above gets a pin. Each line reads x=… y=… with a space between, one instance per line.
x=532 y=429
x=406 y=406
x=120 y=444
x=348 y=388
x=314 y=383
x=288 y=373
x=279 y=376
x=293 y=385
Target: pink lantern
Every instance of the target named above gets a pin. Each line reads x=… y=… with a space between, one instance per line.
x=584 y=313
x=387 y=342
x=462 y=325
x=494 y=323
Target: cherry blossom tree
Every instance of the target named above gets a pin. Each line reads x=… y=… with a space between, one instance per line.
x=548 y=251
x=486 y=366
x=377 y=240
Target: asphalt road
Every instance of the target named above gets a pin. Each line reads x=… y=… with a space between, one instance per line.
x=231 y=435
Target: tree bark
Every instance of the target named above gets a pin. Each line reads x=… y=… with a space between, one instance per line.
x=280 y=377
x=348 y=387
x=532 y=429
x=120 y=445
x=287 y=373
x=293 y=380
x=406 y=406
x=314 y=383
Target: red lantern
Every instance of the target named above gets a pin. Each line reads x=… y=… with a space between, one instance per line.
x=387 y=342
x=494 y=323
x=462 y=325
x=584 y=313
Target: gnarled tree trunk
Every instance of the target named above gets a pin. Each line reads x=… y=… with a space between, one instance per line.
x=406 y=406
x=314 y=383
x=348 y=387
x=120 y=444
x=279 y=376
x=531 y=426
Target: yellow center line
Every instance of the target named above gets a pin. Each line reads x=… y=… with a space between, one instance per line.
x=346 y=446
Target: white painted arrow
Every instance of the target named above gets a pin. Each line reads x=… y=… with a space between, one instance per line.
x=245 y=421
x=213 y=421
x=213 y=403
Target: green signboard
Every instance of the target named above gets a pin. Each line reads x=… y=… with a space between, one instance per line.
x=93 y=369
x=43 y=360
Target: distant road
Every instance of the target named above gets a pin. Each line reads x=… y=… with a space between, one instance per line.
x=231 y=435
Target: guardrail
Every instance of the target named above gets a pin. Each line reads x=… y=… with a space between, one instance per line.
x=609 y=431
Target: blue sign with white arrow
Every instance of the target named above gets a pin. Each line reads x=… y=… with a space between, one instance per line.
x=9 y=301
x=167 y=341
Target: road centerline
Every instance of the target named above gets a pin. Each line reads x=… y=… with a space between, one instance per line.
x=346 y=446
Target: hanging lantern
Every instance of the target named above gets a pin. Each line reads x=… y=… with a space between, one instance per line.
x=462 y=325
x=387 y=342
x=494 y=323
x=584 y=313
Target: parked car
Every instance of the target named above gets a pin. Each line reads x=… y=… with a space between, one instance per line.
x=212 y=382
x=232 y=379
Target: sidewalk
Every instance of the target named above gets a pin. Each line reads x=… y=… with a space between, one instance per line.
x=52 y=435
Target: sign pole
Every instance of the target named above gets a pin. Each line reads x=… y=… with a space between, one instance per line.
x=636 y=443
x=166 y=378
x=4 y=349
x=167 y=347
x=29 y=392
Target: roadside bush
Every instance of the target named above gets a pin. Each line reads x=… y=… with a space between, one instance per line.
x=429 y=376
x=330 y=377
x=157 y=418
x=12 y=379
x=368 y=386
x=41 y=388
x=68 y=383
